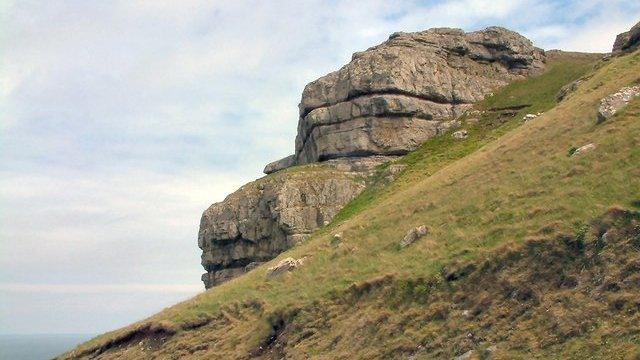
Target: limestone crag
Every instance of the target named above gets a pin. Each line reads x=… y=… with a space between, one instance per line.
x=394 y=96
x=384 y=103
x=272 y=214
x=627 y=40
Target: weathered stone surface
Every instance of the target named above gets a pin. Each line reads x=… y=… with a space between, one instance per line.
x=627 y=40
x=613 y=103
x=284 y=266
x=270 y=215
x=394 y=96
x=413 y=235
x=280 y=164
x=583 y=149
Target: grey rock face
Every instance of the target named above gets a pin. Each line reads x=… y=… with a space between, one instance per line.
x=627 y=40
x=394 y=96
x=616 y=101
x=270 y=215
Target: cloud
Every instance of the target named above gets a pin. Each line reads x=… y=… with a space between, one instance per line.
x=123 y=120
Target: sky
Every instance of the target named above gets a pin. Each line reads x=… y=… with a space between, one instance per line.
x=121 y=121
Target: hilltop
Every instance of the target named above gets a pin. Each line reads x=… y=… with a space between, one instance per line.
x=512 y=232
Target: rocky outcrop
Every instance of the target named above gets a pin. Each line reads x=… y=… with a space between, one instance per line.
x=627 y=40
x=394 y=96
x=270 y=215
x=386 y=102
x=611 y=104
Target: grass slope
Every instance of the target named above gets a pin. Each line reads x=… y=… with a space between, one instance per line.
x=497 y=205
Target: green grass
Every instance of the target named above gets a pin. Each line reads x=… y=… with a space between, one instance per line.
x=481 y=198
x=434 y=154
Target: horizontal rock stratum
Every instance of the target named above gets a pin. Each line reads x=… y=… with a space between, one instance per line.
x=394 y=96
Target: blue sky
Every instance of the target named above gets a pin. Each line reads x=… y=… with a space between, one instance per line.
x=121 y=121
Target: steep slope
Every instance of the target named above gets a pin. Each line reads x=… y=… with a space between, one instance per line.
x=523 y=259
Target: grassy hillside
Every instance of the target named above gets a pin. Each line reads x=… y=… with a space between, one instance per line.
x=514 y=265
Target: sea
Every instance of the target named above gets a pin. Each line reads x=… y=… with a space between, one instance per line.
x=38 y=347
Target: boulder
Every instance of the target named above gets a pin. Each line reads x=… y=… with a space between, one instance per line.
x=628 y=40
x=460 y=134
x=583 y=149
x=280 y=164
x=392 y=97
x=284 y=266
x=616 y=101
x=413 y=235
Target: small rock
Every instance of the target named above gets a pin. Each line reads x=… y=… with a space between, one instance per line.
x=283 y=266
x=336 y=239
x=529 y=117
x=413 y=235
x=611 y=104
x=460 y=134
x=392 y=171
x=583 y=149
x=466 y=313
